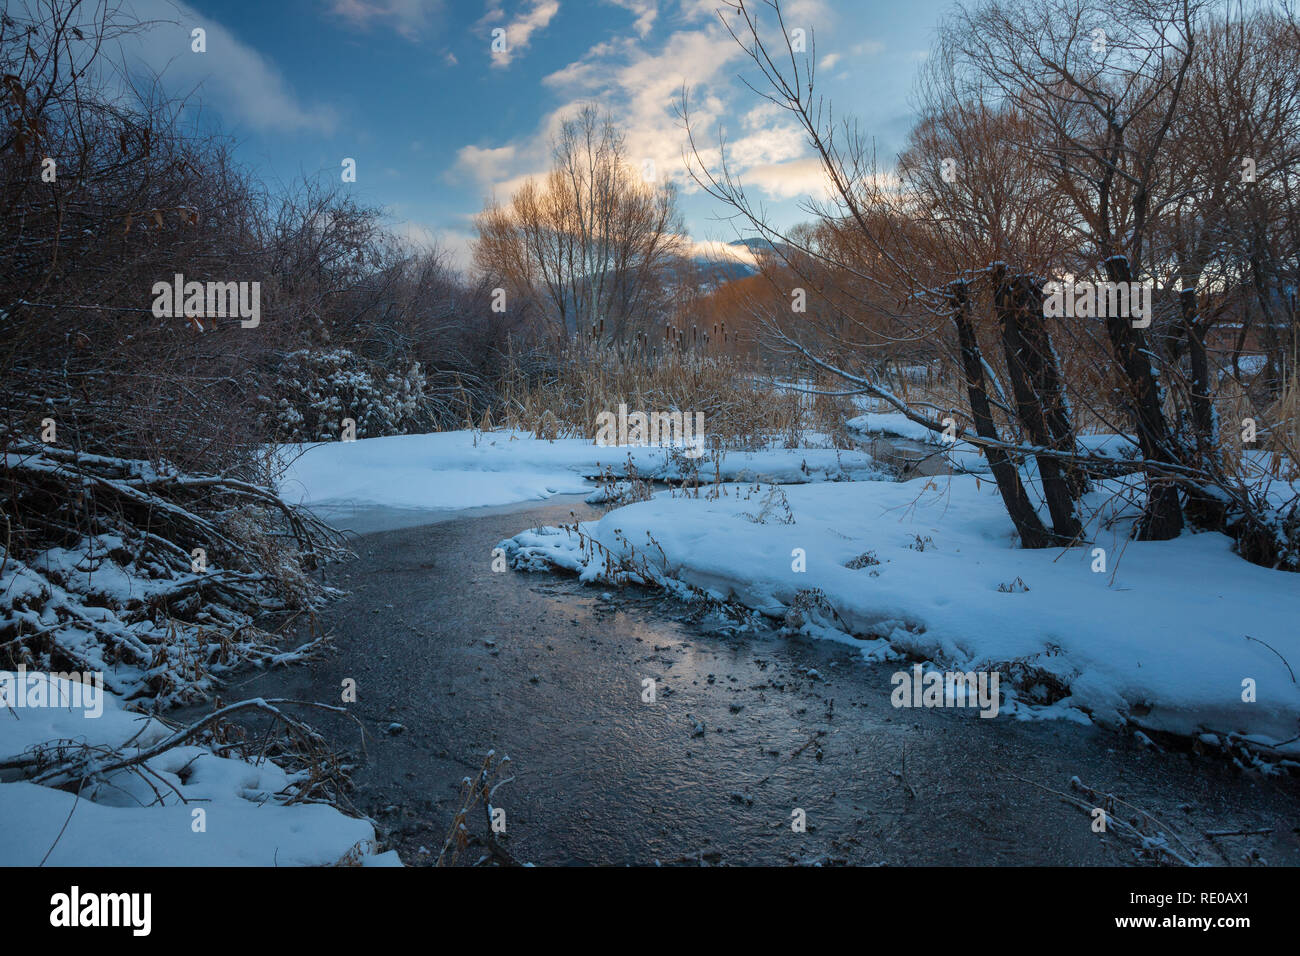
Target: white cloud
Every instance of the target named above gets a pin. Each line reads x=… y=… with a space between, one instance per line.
x=459 y=248
x=646 y=11
x=868 y=48
x=828 y=61
x=814 y=12
x=519 y=31
x=712 y=250
x=641 y=89
x=484 y=165
x=454 y=243
x=701 y=10
x=231 y=76
x=789 y=180
x=415 y=235
x=773 y=138
x=407 y=17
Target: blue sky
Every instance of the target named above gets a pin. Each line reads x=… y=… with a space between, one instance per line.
x=436 y=122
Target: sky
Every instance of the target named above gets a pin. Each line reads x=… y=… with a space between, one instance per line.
x=437 y=122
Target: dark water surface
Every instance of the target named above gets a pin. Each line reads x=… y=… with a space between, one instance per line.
x=746 y=728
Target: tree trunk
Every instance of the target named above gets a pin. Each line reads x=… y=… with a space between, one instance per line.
x=1163 y=518
x=1024 y=366
x=1202 y=510
x=1021 y=510
x=1203 y=421
x=1274 y=362
x=1046 y=376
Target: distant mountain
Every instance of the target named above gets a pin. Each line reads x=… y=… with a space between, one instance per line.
x=762 y=247
x=715 y=271
x=718 y=270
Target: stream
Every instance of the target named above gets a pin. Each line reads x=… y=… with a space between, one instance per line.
x=746 y=728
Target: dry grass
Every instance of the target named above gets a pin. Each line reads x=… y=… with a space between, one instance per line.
x=740 y=409
x=477 y=790
x=1284 y=429
x=745 y=410
x=1277 y=424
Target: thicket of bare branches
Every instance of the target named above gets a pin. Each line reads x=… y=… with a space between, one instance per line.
x=130 y=443
x=1093 y=140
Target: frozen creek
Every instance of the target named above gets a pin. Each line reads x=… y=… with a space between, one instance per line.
x=547 y=671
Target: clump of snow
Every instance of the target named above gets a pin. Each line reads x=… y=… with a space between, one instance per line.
x=1252 y=364
x=892 y=423
x=1108 y=445
x=125 y=818
x=312 y=392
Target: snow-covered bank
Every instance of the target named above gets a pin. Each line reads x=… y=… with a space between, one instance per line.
x=467 y=469
x=187 y=806
x=145 y=622
x=1159 y=638
x=964 y=457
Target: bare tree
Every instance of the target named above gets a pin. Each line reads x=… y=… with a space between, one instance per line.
x=587 y=246
x=1054 y=142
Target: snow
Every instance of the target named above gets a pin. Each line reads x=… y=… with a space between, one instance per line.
x=927 y=570
x=120 y=819
x=1108 y=445
x=239 y=833
x=1252 y=364
x=891 y=423
x=1158 y=639
x=443 y=471
x=961 y=456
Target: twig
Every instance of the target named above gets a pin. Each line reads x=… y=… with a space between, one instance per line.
x=1274 y=650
